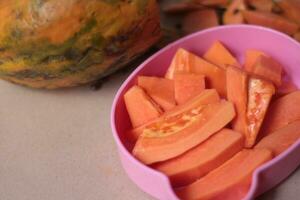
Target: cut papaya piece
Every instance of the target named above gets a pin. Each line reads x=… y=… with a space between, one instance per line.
x=199 y=20
x=231 y=181
x=259 y=96
x=220 y=56
x=270 y=20
x=200 y=160
x=233 y=14
x=161 y=90
x=140 y=107
x=170 y=138
x=281 y=139
x=208 y=96
x=212 y=3
x=291 y=9
x=261 y=5
x=267 y=68
x=286 y=87
x=282 y=112
x=237 y=93
x=186 y=62
x=188 y=86
x=251 y=57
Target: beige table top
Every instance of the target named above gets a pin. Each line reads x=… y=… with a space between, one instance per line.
x=57 y=145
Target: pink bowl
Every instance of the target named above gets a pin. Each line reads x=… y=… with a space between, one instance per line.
x=238 y=38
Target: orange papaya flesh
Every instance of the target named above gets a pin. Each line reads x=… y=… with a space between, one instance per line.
x=250 y=59
x=285 y=88
x=188 y=86
x=230 y=181
x=170 y=138
x=197 y=162
x=140 y=107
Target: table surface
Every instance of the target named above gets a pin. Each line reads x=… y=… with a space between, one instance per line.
x=58 y=145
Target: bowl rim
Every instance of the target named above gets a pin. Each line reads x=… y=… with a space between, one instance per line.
x=121 y=147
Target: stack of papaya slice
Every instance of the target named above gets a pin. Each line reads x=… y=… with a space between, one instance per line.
x=211 y=121
x=281 y=15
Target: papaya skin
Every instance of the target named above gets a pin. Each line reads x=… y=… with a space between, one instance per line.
x=92 y=45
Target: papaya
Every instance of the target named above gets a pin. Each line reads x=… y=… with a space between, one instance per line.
x=140 y=107
x=206 y=97
x=259 y=97
x=159 y=89
x=197 y=162
x=187 y=62
x=170 y=138
x=286 y=87
x=251 y=57
x=237 y=93
x=53 y=44
x=291 y=9
x=270 y=20
x=220 y=56
x=230 y=181
x=199 y=20
x=233 y=14
x=188 y=86
x=261 y=5
x=267 y=68
x=212 y=3
x=281 y=139
x=282 y=112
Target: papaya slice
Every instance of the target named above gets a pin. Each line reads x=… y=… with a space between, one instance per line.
x=251 y=57
x=261 y=5
x=286 y=87
x=220 y=56
x=170 y=138
x=237 y=93
x=291 y=9
x=161 y=90
x=267 y=68
x=199 y=20
x=231 y=181
x=188 y=86
x=259 y=97
x=283 y=111
x=206 y=97
x=270 y=20
x=140 y=107
x=200 y=160
x=233 y=14
x=186 y=62
x=281 y=139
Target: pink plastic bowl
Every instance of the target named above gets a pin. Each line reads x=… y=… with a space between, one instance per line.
x=238 y=38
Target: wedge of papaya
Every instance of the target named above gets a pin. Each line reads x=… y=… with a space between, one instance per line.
x=267 y=68
x=270 y=20
x=197 y=162
x=161 y=90
x=283 y=111
x=208 y=96
x=230 y=181
x=233 y=14
x=251 y=57
x=291 y=9
x=199 y=20
x=286 y=87
x=186 y=62
x=220 y=56
x=259 y=96
x=170 y=138
x=261 y=5
x=188 y=86
x=237 y=93
x=140 y=107
x=281 y=139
